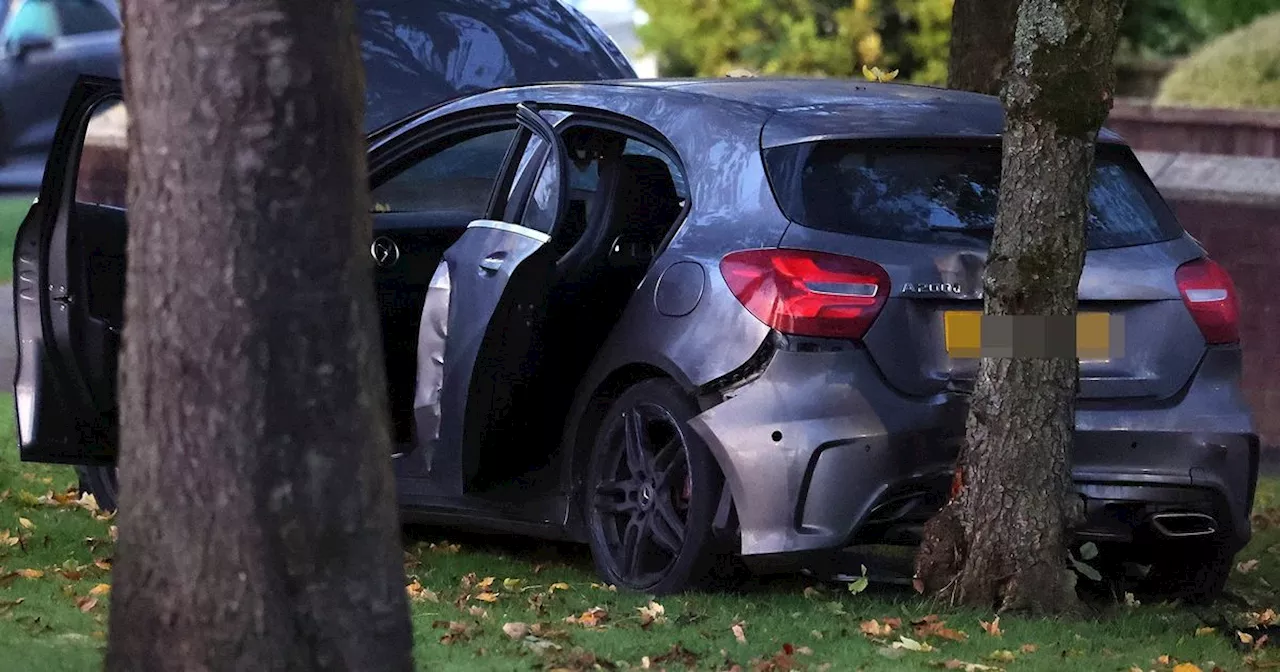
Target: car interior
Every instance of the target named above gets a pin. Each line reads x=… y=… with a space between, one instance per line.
x=623 y=204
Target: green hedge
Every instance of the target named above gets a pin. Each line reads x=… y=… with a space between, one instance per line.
x=1240 y=69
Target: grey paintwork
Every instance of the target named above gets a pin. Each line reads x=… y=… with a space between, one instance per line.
x=816 y=437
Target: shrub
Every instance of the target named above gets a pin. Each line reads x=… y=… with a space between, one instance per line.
x=1240 y=69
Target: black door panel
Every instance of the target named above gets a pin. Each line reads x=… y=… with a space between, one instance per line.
x=64 y=389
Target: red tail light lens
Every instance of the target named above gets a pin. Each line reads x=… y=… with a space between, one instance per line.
x=808 y=293
x=1210 y=296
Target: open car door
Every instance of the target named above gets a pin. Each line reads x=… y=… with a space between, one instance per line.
x=481 y=306
x=68 y=285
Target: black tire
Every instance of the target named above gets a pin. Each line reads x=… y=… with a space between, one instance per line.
x=1193 y=575
x=649 y=514
x=102 y=483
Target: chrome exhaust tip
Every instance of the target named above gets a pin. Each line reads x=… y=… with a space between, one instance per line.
x=1182 y=525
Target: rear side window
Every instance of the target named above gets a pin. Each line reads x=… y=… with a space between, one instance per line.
x=85 y=16
x=946 y=194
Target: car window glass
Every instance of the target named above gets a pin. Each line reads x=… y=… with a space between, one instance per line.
x=35 y=18
x=456 y=174
x=85 y=16
x=102 y=174
x=636 y=148
x=544 y=198
x=517 y=193
x=945 y=194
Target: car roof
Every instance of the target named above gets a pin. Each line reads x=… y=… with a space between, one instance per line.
x=809 y=108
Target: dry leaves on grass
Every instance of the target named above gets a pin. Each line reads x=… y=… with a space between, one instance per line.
x=739 y=631
x=931 y=626
x=595 y=617
x=992 y=628
x=418 y=593
x=954 y=664
x=677 y=655
x=652 y=613
x=455 y=631
x=100 y=589
x=86 y=604
x=874 y=628
x=1247 y=566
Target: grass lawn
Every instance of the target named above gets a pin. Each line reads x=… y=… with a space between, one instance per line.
x=12 y=210
x=55 y=621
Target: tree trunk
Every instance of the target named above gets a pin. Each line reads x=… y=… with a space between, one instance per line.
x=258 y=527
x=981 y=44
x=1001 y=540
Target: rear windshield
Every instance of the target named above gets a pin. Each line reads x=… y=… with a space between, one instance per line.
x=946 y=194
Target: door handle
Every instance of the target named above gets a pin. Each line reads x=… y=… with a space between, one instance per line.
x=493 y=262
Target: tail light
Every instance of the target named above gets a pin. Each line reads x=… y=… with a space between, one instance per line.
x=808 y=293
x=1211 y=298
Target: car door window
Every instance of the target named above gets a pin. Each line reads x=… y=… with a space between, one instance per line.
x=102 y=174
x=34 y=18
x=455 y=174
x=85 y=16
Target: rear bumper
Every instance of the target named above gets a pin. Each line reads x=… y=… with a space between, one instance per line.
x=820 y=454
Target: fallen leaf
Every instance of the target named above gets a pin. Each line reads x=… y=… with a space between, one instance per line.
x=652 y=613
x=1201 y=632
x=1001 y=656
x=516 y=630
x=477 y=612
x=1186 y=667
x=930 y=626
x=591 y=618
x=874 y=628
x=739 y=633
x=86 y=603
x=31 y=573
x=456 y=631
x=487 y=597
x=486 y=583
x=7 y=538
x=601 y=586
x=912 y=645
x=954 y=664
x=992 y=628
x=810 y=591
x=26 y=523
x=417 y=592
x=512 y=584
x=114 y=533
x=100 y=589
x=1266 y=618
x=1247 y=566
x=1245 y=638
x=1029 y=648
x=560 y=585
x=816 y=634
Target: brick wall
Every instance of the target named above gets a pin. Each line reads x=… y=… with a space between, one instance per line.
x=1197 y=130
x=1246 y=241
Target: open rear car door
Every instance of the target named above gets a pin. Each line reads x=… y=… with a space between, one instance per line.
x=68 y=285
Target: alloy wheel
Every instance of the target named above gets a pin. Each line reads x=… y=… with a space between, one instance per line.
x=641 y=498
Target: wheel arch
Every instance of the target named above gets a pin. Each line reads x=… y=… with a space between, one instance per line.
x=588 y=414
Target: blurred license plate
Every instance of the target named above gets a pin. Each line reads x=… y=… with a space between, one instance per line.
x=963 y=334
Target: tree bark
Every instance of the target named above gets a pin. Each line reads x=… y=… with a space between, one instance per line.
x=1001 y=540
x=981 y=44
x=258 y=527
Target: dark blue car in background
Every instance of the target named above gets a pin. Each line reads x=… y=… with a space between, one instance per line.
x=416 y=53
